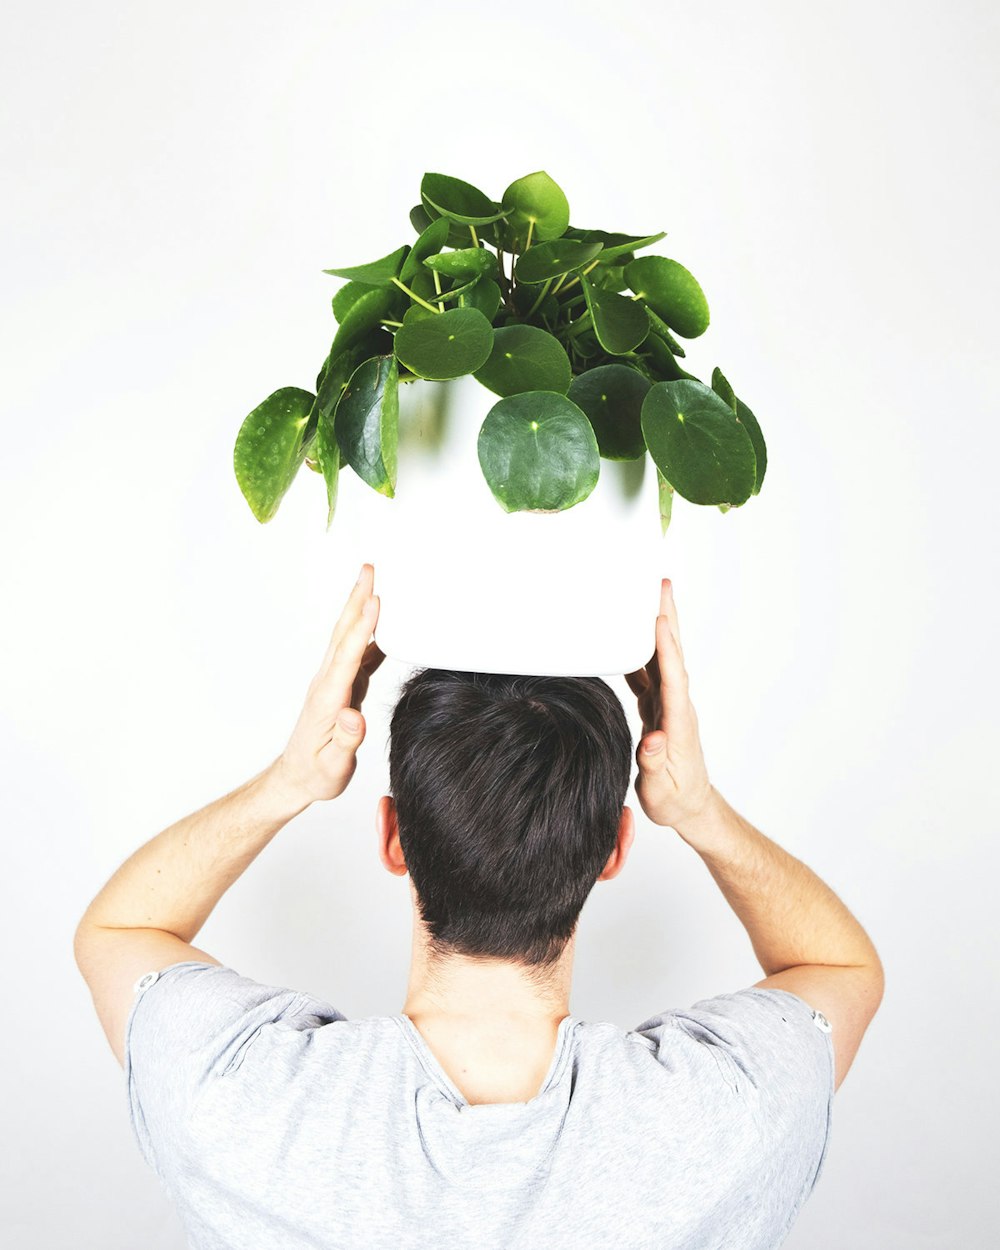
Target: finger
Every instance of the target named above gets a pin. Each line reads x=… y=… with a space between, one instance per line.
x=355 y=603
x=669 y=608
x=370 y=661
x=638 y=682
x=338 y=681
x=674 y=681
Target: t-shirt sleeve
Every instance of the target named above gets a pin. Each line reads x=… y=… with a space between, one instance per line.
x=778 y=1053
x=191 y=1023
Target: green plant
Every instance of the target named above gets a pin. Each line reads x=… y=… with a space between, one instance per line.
x=577 y=340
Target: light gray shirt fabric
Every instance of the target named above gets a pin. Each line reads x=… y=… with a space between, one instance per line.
x=276 y=1123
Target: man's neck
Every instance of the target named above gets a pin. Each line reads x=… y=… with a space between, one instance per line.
x=473 y=994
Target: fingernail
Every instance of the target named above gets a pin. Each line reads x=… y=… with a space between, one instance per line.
x=349 y=721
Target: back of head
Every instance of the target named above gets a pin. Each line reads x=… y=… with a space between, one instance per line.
x=509 y=792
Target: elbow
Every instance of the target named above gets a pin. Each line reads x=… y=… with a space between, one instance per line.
x=83 y=945
x=877 y=987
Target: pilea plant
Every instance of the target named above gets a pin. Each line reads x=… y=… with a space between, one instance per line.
x=573 y=333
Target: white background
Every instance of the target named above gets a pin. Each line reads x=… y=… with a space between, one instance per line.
x=176 y=178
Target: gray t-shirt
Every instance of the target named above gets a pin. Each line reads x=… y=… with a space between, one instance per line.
x=275 y=1123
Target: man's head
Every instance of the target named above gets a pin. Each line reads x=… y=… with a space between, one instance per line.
x=508 y=794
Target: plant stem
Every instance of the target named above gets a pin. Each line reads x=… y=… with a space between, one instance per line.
x=387 y=322
x=531 y=226
x=414 y=296
x=437 y=287
x=592 y=265
x=541 y=296
x=475 y=237
x=579 y=325
x=504 y=282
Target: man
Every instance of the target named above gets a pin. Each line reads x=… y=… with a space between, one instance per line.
x=484 y=1114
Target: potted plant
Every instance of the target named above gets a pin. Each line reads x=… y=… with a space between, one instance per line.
x=550 y=353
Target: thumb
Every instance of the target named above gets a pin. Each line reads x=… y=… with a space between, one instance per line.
x=350 y=724
x=650 y=753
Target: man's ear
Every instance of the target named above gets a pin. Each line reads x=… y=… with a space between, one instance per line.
x=626 y=836
x=389 y=850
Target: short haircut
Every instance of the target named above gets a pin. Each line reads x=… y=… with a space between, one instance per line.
x=509 y=792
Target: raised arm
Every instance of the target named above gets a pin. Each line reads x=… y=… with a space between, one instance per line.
x=805 y=938
x=146 y=917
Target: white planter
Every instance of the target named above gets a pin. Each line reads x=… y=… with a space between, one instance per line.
x=462 y=584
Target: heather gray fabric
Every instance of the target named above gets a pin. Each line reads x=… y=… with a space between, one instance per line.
x=275 y=1123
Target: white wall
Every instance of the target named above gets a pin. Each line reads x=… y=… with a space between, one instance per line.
x=176 y=177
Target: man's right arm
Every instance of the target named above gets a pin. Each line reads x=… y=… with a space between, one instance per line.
x=804 y=937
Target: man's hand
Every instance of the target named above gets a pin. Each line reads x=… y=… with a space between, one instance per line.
x=321 y=754
x=672 y=786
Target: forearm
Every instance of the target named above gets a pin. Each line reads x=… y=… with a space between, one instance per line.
x=790 y=915
x=175 y=880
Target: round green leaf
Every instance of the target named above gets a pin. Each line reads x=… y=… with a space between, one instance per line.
x=671 y=291
x=432 y=239
x=420 y=218
x=662 y=330
x=611 y=396
x=422 y=284
x=666 y=500
x=365 y=314
x=366 y=422
x=269 y=448
x=336 y=377
x=484 y=295
x=743 y=413
x=450 y=292
x=610 y=277
x=525 y=358
x=445 y=345
x=376 y=272
x=347 y=297
x=615 y=245
x=417 y=312
x=459 y=201
x=538 y=452
x=662 y=360
x=466 y=262
x=620 y=323
x=722 y=388
x=551 y=259
x=749 y=421
x=697 y=443
x=337 y=368
x=536 y=202
x=327 y=451
x=421 y=215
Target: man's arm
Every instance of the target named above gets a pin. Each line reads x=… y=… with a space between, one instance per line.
x=146 y=916
x=804 y=937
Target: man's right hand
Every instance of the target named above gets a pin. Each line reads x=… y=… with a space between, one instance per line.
x=672 y=786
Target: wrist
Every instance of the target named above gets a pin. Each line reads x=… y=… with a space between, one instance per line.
x=288 y=792
x=696 y=828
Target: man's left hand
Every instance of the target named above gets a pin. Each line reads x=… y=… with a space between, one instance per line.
x=321 y=754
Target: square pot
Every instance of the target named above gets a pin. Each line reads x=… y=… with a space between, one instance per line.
x=462 y=584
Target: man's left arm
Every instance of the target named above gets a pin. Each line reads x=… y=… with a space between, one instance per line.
x=148 y=914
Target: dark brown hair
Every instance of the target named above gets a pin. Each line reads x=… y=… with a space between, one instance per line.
x=509 y=792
